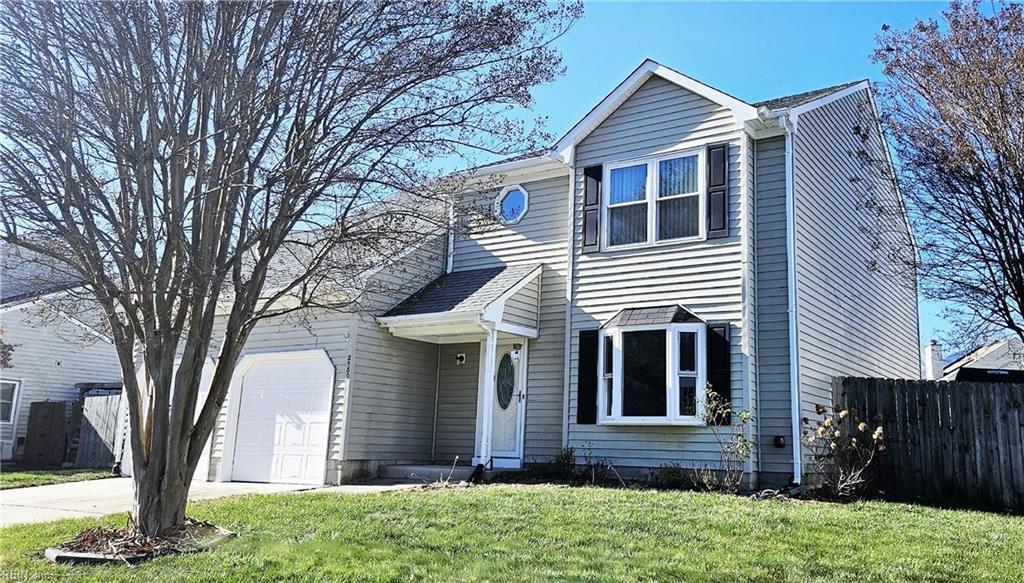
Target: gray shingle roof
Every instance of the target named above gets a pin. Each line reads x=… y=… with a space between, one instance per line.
x=798 y=99
x=26 y=275
x=462 y=291
x=674 y=314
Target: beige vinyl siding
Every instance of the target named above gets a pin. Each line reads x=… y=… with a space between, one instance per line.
x=388 y=364
x=391 y=412
x=540 y=237
x=772 y=307
x=521 y=308
x=853 y=319
x=456 y=403
x=50 y=357
x=321 y=329
x=390 y=415
x=706 y=276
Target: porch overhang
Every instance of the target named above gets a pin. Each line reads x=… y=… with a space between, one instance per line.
x=479 y=302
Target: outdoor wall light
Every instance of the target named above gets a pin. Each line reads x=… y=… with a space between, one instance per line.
x=780 y=441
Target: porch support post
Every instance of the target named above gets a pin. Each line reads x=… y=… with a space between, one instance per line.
x=485 y=398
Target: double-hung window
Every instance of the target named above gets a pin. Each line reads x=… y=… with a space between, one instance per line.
x=654 y=200
x=652 y=374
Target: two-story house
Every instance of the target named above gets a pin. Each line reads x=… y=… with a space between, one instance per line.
x=675 y=237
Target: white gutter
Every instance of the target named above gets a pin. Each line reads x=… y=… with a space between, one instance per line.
x=794 y=340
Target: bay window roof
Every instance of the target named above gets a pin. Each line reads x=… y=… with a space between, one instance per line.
x=671 y=314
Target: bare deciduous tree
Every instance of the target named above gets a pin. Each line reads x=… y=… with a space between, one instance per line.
x=953 y=109
x=206 y=166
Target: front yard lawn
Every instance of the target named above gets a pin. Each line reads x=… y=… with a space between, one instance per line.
x=25 y=478
x=547 y=533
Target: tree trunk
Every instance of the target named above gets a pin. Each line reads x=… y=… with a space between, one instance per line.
x=159 y=505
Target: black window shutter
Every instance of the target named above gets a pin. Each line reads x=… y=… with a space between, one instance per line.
x=720 y=363
x=718 y=190
x=586 y=375
x=592 y=208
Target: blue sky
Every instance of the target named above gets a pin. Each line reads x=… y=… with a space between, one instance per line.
x=751 y=50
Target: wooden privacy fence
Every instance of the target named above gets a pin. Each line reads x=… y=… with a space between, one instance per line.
x=83 y=432
x=952 y=442
x=47 y=437
x=98 y=434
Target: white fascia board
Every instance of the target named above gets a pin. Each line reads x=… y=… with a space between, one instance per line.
x=430 y=319
x=563 y=149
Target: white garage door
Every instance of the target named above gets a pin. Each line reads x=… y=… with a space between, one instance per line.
x=283 y=419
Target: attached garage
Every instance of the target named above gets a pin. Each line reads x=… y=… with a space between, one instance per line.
x=278 y=418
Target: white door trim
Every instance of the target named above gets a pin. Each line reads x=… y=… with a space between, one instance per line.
x=247 y=361
x=515 y=460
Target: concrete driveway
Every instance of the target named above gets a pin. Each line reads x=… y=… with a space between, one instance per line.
x=107 y=496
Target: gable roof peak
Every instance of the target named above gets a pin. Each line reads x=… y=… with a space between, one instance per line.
x=741 y=110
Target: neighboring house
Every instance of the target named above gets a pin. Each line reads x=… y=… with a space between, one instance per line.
x=998 y=361
x=50 y=354
x=676 y=236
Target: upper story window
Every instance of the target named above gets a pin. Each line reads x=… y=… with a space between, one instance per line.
x=511 y=204
x=652 y=374
x=654 y=200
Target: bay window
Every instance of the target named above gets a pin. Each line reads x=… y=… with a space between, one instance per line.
x=654 y=200
x=652 y=374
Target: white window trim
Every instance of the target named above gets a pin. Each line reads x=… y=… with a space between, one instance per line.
x=651 y=199
x=671 y=376
x=14 y=401
x=501 y=195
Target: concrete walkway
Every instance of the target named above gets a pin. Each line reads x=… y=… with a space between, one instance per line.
x=114 y=495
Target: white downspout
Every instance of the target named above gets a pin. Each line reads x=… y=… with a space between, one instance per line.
x=449 y=262
x=794 y=341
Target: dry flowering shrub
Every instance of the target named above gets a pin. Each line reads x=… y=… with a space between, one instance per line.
x=733 y=444
x=844 y=450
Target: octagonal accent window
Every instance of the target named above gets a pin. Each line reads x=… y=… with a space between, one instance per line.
x=511 y=204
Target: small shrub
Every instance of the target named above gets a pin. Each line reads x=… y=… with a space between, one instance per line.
x=563 y=466
x=592 y=471
x=671 y=476
x=729 y=429
x=844 y=450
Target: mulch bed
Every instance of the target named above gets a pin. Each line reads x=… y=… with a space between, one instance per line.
x=99 y=544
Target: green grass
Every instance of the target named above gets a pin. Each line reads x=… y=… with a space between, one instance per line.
x=25 y=478
x=546 y=533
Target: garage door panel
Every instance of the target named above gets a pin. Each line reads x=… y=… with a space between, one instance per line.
x=284 y=420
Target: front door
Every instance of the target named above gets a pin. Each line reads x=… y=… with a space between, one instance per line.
x=509 y=403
